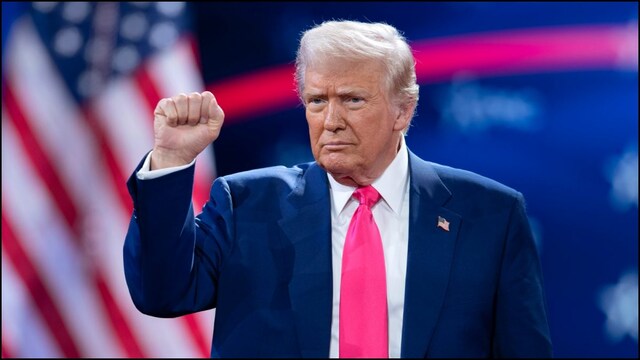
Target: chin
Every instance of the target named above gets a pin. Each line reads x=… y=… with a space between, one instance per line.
x=337 y=168
x=331 y=165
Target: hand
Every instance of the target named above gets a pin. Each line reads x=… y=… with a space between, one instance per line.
x=183 y=127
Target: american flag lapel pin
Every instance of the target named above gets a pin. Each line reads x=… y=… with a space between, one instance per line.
x=443 y=223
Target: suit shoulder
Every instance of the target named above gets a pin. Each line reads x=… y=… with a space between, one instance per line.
x=272 y=177
x=463 y=181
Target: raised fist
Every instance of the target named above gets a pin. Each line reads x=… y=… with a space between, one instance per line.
x=184 y=125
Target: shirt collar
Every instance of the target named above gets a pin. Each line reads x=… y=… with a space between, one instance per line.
x=387 y=184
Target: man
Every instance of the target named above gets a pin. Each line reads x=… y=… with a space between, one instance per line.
x=423 y=261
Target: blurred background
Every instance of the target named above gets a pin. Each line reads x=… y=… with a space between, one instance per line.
x=541 y=96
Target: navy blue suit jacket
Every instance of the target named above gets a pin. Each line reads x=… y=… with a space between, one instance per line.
x=260 y=253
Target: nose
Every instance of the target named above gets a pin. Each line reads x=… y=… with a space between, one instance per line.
x=333 y=119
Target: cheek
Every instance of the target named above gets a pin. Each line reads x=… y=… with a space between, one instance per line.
x=315 y=128
x=372 y=139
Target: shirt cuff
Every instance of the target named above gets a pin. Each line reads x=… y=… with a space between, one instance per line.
x=145 y=174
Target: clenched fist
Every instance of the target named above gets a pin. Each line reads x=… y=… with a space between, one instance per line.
x=183 y=126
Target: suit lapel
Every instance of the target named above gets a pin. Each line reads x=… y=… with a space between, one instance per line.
x=429 y=259
x=307 y=225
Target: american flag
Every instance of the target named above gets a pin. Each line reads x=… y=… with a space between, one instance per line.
x=80 y=82
x=443 y=223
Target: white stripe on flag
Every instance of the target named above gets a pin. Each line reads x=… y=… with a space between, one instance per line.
x=175 y=70
x=28 y=336
x=128 y=127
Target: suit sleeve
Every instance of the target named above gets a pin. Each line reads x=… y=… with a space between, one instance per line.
x=171 y=259
x=521 y=328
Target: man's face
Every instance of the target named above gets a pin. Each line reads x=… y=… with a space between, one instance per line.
x=354 y=127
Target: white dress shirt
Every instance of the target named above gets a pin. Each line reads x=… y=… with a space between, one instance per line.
x=145 y=174
x=391 y=214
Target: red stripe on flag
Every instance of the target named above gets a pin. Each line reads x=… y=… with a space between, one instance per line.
x=63 y=202
x=40 y=296
x=119 y=323
x=195 y=51
x=6 y=353
x=39 y=159
x=115 y=174
x=148 y=89
x=190 y=322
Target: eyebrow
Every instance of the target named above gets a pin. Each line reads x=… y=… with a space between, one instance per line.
x=352 y=91
x=340 y=93
x=313 y=93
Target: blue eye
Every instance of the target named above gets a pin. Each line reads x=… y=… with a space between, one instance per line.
x=355 y=99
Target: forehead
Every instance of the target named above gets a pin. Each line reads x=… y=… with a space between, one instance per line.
x=340 y=73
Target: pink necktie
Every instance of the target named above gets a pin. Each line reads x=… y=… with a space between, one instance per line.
x=363 y=286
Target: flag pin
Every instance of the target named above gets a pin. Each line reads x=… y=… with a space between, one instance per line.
x=443 y=223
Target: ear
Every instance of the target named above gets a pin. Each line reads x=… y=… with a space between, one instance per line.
x=404 y=115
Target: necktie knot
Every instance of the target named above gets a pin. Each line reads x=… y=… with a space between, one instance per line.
x=367 y=195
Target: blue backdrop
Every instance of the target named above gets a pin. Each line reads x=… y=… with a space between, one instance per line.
x=564 y=133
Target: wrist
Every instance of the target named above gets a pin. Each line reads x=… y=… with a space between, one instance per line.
x=161 y=159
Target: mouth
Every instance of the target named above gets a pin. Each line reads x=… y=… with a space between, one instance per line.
x=336 y=145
